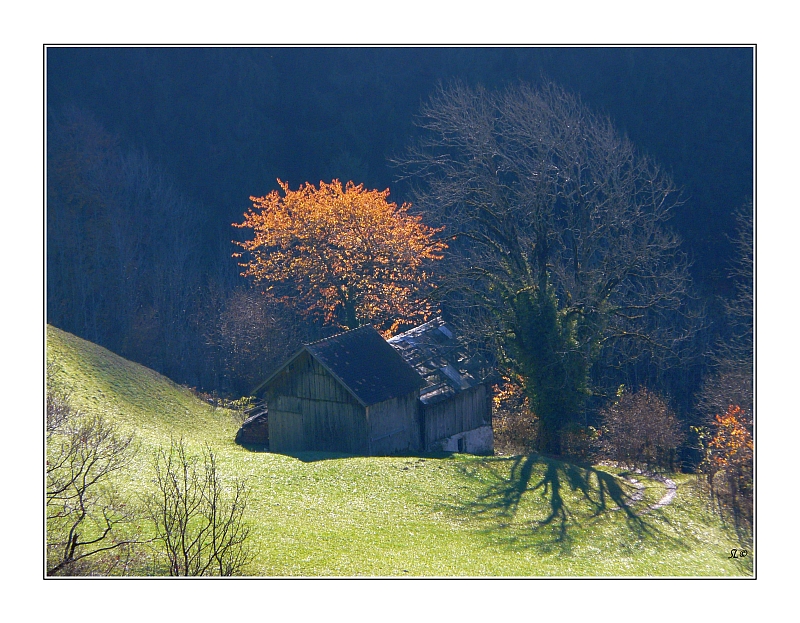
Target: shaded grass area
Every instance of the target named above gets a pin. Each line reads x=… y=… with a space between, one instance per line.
x=318 y=514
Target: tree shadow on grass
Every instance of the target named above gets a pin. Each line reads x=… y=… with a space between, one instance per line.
x=575 y=497
x=728 y=513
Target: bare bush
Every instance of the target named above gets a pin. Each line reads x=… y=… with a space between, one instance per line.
x=580 y=443
x=640 y=430
x=199 y=521
x=84 y=512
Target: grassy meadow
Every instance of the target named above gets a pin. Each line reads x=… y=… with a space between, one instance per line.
x=317 y=514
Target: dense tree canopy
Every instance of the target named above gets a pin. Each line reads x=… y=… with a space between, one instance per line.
x=344 y=252
x=123 y=265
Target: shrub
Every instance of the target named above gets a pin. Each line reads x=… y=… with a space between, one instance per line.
x=85 y=516
x=580 y=442
x=515 y=426
x=198 y=519
x=640 y=430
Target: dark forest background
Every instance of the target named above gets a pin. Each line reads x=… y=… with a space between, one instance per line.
x=152 y=153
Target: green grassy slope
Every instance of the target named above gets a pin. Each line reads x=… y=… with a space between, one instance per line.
x=322 y=514
x=100 y=381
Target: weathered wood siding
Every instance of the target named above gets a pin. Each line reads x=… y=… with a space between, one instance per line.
x=467 y=410
x=394 y=426
x=310 y=410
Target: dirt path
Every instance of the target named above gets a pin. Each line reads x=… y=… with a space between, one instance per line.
x=667 y=498
x=672 y=489
x=637 y=495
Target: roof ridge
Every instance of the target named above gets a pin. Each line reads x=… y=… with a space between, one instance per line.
x=418 y=328
x=335 y=335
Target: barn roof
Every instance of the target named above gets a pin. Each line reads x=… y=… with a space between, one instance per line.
x=364 y=363
x=439 y=357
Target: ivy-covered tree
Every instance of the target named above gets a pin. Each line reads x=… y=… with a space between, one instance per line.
x=561 y=257
x=345 y=253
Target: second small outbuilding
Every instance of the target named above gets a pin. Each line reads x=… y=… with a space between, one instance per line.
x=456 y=401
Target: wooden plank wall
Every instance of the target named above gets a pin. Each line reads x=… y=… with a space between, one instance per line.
x=465 y=411
x=286 y=431
x=394 y=426
x=312 y=411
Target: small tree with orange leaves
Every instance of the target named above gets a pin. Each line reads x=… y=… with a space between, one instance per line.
x=346 y=254
x=729 y=460
x=513 y=422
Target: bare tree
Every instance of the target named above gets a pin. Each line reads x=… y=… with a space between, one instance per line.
x=125 y=252
x=732 y=380
x=246 y=335
x=198 y=521
x=84 y=512
x=560 y=257
x=255 y=334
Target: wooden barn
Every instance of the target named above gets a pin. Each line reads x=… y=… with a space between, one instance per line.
x=349 y=393
x=357 y=393
x=455 y=403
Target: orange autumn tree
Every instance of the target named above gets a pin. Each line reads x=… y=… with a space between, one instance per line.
x=347 y=254
x=732 y=443
x=729 y=460
x=731 y=449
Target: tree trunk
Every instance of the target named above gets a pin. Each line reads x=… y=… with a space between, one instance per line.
x=350 y=321
x=555 y=374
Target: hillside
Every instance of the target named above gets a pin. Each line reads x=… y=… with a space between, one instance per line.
x=100 y=381
x=459 y=515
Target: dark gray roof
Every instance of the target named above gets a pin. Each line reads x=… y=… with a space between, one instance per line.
x=364 y=363
x=435 y=352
